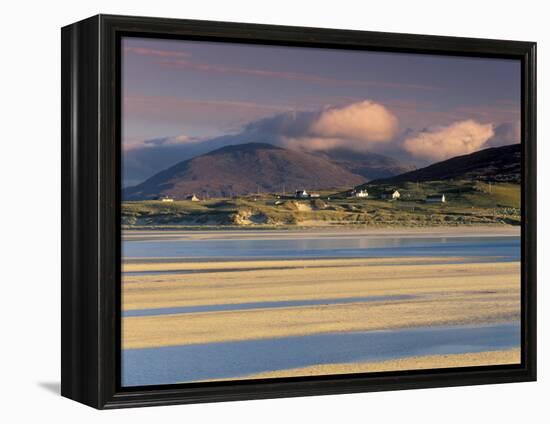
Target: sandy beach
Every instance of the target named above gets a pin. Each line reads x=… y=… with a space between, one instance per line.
x=440 y=294
x=194 y=302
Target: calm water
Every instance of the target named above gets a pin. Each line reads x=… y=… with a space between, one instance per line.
x=179 y=364
x=258 y=305
x=506 y=248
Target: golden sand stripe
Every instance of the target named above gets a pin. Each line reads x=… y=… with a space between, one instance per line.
x=181 y=329
x=164 y=291
x=499 y=357
x=168 y=264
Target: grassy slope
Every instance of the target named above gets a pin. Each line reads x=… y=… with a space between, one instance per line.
x=469 y=203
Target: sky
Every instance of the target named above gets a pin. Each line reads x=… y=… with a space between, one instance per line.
x=182 y=98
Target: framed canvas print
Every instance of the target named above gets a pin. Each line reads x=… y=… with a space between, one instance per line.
x=256 y=211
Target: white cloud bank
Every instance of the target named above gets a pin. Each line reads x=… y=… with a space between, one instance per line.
x=357 y=126
x=361 y=126
x=441 y=143
x=364 y=121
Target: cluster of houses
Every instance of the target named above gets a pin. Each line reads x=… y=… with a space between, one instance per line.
x=359 y=194
x=386 y=195
x=302 y=194
x=395 y=195
x=363 y=194
x=167 y=199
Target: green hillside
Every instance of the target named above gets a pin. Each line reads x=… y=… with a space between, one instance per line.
x=468 y=203
x=496 y=164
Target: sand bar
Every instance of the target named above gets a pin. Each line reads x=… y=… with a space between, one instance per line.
x=181 y=329
x=499 y=357
x=317 y=279
x=190 y=264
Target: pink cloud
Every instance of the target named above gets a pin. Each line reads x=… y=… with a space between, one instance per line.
x=359 y=126
x=456 y=139
x=155 y=52
x=423 y=114
x=364 y=121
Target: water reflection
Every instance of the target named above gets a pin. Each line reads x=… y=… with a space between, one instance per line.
x=258 y=305
x=508 y=248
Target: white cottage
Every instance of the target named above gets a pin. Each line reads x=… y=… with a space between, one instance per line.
x=391 y=195
x=359 y=194
x=193 y=198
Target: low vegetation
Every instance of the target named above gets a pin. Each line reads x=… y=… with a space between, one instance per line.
x=468 y=203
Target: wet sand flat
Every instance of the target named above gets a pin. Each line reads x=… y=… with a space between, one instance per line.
x=440 y=294
x=151 y=265
x=315 y=279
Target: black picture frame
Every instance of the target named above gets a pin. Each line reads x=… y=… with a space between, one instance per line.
x=91 y=211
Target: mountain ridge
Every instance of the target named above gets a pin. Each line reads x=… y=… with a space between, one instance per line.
x=367 y=164
x=495 y=164
x=243 y=169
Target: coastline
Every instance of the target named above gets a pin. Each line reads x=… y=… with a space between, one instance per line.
x=298 y=232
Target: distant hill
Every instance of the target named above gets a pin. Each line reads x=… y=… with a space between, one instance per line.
x=497 y=164
x=367 y=164
x=242 y=169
